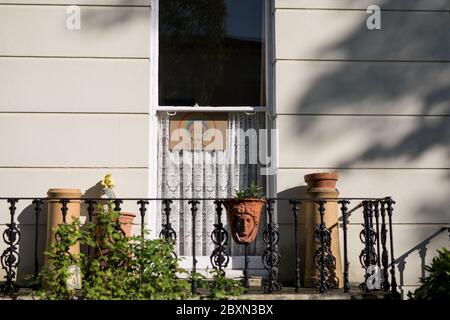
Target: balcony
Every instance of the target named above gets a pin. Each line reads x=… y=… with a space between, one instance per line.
x=23 y=241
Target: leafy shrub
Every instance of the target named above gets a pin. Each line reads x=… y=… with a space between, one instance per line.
x=253 y=191
x=437 y=284
x=131 y=268
x=56 y=273
x=120 y=267
x=221 y=287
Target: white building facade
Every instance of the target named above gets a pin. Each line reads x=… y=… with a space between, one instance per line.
x=89 y=90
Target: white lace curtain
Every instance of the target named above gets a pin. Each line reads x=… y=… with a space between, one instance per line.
x=202 y=174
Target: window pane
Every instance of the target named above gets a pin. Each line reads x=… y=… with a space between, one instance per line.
x=211 y=53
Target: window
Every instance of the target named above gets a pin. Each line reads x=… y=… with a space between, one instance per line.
x=211 y=53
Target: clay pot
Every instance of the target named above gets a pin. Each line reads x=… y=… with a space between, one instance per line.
x=126 y=222
x=322 y=180
x=244 y=216
x=54 y=214
x=321 y=185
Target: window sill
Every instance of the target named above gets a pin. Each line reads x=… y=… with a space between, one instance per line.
x=210 y=109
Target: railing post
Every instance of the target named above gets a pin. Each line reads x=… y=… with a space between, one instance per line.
x=384 y=253
x=372 y=243
x=167 y=231
x=64 y=208
x=376 y=212
x=323 y=258
x=38 y=203
x=118 y=209
x=219 y=257
x=344 y=211
x=271 y=256
x=91 y=210
x=10 y=256
x=390 y=210
x=194 y=210
x=246 y=282
x=367 y=236
x=142 y=209
x=295 y=210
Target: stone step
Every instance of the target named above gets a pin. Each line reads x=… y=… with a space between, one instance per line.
x=255 y=292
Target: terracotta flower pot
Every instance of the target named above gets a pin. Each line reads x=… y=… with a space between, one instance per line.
x=243 y=218
x=54 y=214
x=322 y=180
x=126 y=221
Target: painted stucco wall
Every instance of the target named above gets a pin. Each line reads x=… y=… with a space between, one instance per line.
x=73 y=104
x=373 y=105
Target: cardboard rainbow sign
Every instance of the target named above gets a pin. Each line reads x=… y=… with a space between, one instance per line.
x=191 y=124
x=198 y=131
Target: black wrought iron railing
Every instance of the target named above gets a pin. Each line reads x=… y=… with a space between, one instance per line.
x=376 y=234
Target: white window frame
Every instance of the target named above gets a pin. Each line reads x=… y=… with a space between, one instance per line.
x=197 y=108
x=155 y=108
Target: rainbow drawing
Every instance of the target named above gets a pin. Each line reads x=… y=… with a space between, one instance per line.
x=198 y=123
x=188 y=121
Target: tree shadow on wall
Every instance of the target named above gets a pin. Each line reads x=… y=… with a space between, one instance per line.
x=124 y=12
x=422 y=249
x=399 y=78
x=30 y=236
x=418 y=87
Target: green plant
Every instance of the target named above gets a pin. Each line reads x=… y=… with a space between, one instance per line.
x=253 y=191
x=119 y=267
x=218 y=287
x=222 y=287
x=56 y=274
x=437 y=284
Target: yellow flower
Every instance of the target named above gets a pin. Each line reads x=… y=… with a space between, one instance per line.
x=108 y=181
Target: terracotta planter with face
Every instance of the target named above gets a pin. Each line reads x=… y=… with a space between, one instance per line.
x=243 y=218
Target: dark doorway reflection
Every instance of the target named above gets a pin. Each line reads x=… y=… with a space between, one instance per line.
x=211 y=52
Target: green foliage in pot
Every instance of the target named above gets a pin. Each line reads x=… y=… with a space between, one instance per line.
x=56 y=273
x=437 y=284
x=251 y=192
x=222 y=287
x=218 y=287
x=119 y=268
x=130 y=268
